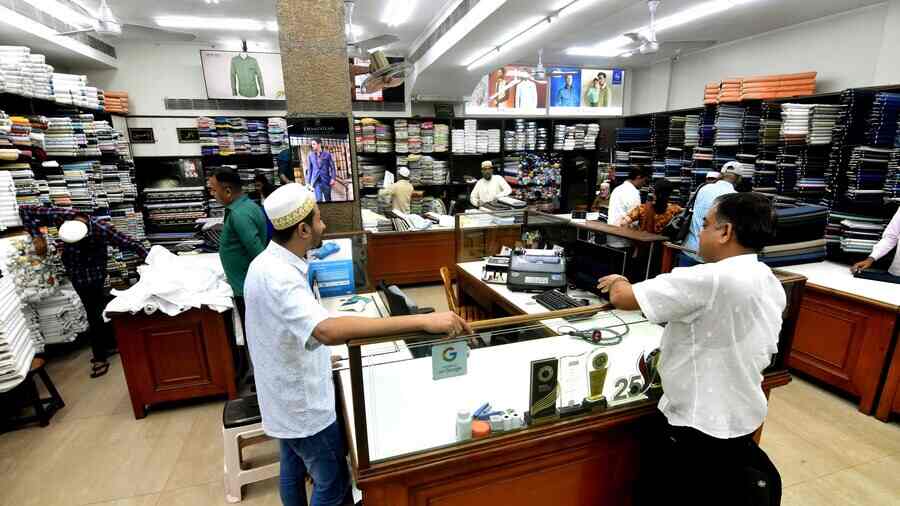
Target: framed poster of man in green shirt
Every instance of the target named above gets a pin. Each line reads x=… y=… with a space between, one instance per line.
x=242 y=75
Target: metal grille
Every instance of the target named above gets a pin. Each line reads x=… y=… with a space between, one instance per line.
x=188 y=104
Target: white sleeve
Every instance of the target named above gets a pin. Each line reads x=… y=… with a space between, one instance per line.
x=504 y=187
x=680 y=296
x=475 y=196
x=302 y=313
x=889 y=239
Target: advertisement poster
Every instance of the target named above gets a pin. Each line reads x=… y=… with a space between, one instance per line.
x=565 y=87
x=509 y=90
x=601 y=93
x=320 y=155
x=242 y=75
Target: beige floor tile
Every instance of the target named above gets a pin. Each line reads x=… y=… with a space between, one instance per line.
x=213 y=494
x=200 y=460
x=807 y=494
x=873 y=483
x=143 y=500
x=797 y=459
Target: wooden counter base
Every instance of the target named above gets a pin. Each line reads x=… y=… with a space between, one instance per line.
x=843 y=342
x=410 y=257
x=173 y=358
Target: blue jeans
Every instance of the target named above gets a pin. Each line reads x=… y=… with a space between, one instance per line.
x=684 y=260
x=323 y=193
x=321 y=455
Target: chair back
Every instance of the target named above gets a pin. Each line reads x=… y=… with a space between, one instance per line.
x=452 y=303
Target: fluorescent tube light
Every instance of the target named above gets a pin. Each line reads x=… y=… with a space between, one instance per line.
x=397 y=12
x=530 y=29
x=689 y=15
x=197 y=22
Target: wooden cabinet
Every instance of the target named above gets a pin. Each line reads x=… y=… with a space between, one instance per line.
x=410 y=257
x=844 y=342
x=175 y=358
x=889 y=402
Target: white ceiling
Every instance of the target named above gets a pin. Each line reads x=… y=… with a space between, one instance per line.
x=447 y=76
x=605 y=19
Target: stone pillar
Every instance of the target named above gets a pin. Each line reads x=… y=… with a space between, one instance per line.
x=317 y=81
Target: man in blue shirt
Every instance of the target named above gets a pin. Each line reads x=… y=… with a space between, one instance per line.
x=706 y=197
x=321 y=174
x=568 y=96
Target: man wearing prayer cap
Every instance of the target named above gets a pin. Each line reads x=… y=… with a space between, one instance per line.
x=289 y=332
x=490 y=187
x=401 y=191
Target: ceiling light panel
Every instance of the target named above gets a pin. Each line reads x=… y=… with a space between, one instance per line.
x=199 y=22
x=398 y=12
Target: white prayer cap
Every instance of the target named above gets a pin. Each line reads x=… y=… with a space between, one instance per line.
x=487 y=164
x=731 y=168
x=289 y=205
x=73 y=231
x=403 y=172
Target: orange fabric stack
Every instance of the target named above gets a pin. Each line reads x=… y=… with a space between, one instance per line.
x=711 y=93
x=778 y=86
x=730 y=91
x=116 y=101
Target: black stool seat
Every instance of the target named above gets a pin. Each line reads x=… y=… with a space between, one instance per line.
x=241 y=412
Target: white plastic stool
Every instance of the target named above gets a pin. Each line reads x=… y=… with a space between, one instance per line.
x=241 y=427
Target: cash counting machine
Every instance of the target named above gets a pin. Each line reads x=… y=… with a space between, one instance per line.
x=536 y=270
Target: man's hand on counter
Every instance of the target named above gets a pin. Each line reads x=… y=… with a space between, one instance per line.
x=861 y=266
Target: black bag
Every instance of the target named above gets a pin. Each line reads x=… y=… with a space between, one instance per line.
x=678 y=228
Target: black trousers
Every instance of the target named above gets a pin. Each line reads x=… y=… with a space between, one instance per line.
x=242 y=366
x=686 y=466
x=102 y=338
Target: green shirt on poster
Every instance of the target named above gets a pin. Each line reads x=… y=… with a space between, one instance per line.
x=246 y=77
x=244 y=236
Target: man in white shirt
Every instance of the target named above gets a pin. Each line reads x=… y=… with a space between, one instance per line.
x=490 y=187
x=723 y=319
x=288 y=332
x=623 y=199
x=706 y=196
x=888 y=242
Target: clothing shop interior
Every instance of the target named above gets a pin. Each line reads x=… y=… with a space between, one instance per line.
x=248 y=250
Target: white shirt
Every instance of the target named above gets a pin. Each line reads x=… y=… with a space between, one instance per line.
x=489 y=191
x=723 y=324
x=623 y=199
x=292 y=370
x=526 y=95
x=888 y=242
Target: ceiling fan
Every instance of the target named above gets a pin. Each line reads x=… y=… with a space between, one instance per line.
x=647 y=43
x=107 y=25
x=360 y=48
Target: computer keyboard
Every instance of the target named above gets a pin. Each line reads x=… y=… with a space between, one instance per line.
x=554 y=300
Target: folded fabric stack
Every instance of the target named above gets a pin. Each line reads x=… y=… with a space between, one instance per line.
x=61 y=316
x=730 y=91
x=414 y=137
x=822 y=119
x=41 y=76
x=778 y=86
x=882 y=129
x=107 y=138
x=428 y=136
x=73 y=89
x=729 y=125
x=691 y=130
x=892 y=181
x=13 y=78
x=206 y=129
x=224 y=136
x=85 y=133
x=795 y=123
x=36 y=277
x=860 y=236
x=116 y=102
x=384 y=138
x=711 y=93
x=364 y=130
x=442 y=138
x=17 y=340
x=239 y=133
x=799 y=236
x=866 y=174
x=748 y=166
x=79 y=178
x=371 y=172
x=812 y=163
x=257 y=132
x=278 y=140
x=9 y=209
x=27 y=192
x=849 y=131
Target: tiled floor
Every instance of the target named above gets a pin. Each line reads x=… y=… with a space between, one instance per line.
x=94 y=451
